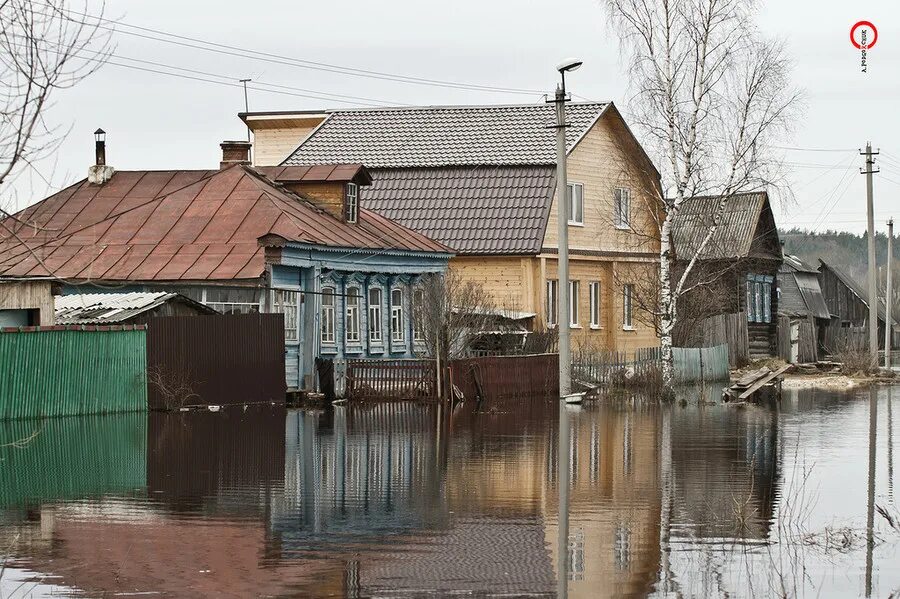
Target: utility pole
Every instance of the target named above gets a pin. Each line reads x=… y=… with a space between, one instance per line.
x=562 y=200
x=888 y=298
x=246 y=103
x=873 y=287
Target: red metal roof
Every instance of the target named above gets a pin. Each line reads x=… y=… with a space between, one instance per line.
x=180 y=226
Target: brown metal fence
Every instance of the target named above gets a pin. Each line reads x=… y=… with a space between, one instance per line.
x=391 y=379
x=499 y=377
x=227 y=359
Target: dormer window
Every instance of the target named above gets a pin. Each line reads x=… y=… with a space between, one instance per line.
x=352 y=202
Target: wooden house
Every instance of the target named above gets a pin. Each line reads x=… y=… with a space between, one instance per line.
x=848 y=304
x=291 y=240
x=802 y=311
x=733 y=297
x=481 y=180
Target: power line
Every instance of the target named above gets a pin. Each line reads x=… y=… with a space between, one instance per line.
x=226 y=49
x=815 y=149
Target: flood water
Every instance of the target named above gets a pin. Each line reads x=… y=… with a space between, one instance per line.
x=409 y=500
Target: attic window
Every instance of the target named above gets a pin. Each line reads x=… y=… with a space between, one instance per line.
x=352 y=202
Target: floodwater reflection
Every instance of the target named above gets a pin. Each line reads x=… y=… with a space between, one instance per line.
x=415 y=499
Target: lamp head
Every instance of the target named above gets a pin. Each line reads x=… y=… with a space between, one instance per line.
x=570 y=64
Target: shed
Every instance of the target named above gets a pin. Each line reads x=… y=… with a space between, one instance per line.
x=802 y=311
x=124 y=308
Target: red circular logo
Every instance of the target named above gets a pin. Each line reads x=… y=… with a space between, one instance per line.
x=863 y=24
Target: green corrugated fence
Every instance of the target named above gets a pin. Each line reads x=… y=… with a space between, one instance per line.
x=696 y=364
x=70 y=372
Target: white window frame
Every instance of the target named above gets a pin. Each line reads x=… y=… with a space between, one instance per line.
x=622 y=207
x=285 y=301
x=628 y=307
x=552 y=302
x=594 y=292
x=575 y=204
x=326 y=315
x=418 y=315
x=574 y=289
x=351 y=314
x=352 y=202
x=375 y=325
x=398 y=324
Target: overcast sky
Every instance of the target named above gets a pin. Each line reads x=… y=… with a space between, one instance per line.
x=156 y=121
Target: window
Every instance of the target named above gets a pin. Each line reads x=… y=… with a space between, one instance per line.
x=352 y=323
x=759 y=298
x=327 y=315
x=573 y=303
x=595 y=304
x=552 y=302
x=352 y=202
x=286 y=303
x=418 y=315
x=233 y=300
x=575 y=203
x=627 y=322
x=397 y=333
x=375 y=296
x=622 y=206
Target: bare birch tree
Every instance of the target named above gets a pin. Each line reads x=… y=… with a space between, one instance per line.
x=45 y=47
x=710 y=99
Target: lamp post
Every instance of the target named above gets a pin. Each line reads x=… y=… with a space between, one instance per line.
x=562 y=198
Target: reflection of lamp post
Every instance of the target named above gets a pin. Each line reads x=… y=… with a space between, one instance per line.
x=870 y=512
x=562 y=199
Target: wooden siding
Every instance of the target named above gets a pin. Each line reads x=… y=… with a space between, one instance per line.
x=271 y=146
x=29 y=295
x=607 y=158
x=327 y=196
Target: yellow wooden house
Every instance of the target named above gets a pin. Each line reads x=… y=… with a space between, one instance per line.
x=481 y=180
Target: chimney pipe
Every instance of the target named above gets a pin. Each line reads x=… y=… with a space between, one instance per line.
x=234 y=152
x=100 y=173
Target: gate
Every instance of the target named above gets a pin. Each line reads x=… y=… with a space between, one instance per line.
x=391 y=379
x=226 y=359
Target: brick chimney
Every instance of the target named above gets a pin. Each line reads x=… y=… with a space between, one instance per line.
x=101 y=172
x=234 y=152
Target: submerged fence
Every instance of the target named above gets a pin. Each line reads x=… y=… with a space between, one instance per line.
x=63 y=371
x=691 y=364
x=391 y=379
x=503 y=377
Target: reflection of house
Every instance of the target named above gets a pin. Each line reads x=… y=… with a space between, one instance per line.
x=734 y=277
x=290 y=240
x=800 y=299
x=124 y=308
x=481 y=180
x=848 y=303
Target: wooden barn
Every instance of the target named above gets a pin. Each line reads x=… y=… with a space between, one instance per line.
x=802 y=311
x=733 y=297
x=848 y=304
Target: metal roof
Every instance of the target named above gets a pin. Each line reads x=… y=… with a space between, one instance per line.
x=736 y=233
x=474 y=210
x=436 y=136
x=857 y=290
x=178 y=226
x=102 y=308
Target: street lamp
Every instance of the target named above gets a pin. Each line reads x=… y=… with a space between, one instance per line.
x=562 y=198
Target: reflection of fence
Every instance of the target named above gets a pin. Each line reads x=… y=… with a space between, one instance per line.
x=390 y=379
x=498 y=377
x=692 y=364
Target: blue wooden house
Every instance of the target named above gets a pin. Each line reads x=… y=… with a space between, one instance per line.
x=240 y=239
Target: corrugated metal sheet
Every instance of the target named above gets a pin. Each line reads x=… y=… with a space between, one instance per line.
x=435 y=136
x=178 y=226
x=72 y=458
x=65 y=373
x=735 y=233
x=232 y=359
x=808 y=283
x=474 y=210
x=107 y=308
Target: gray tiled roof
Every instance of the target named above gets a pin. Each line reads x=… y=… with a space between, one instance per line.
x=436 y=136
x=474 y=210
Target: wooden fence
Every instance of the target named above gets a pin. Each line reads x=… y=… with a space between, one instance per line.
x=807 y=338
x=391 y=379
x=692 y=365
x=730 y=330
x=504 y=377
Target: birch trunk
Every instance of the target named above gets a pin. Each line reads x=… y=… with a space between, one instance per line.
x=666 y=302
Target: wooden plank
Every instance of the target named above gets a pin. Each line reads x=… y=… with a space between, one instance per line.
x=759 y=384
